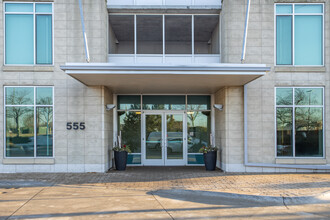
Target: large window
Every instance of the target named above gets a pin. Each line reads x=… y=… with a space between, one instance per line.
x=160 y=34
x=299 y=122
x=129 y=124
x=29 y=121
x=299 y=34
x=28 y=33
x=198 y=126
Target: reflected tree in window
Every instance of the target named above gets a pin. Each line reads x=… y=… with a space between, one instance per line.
x=309 y=131
x=284 y=131
x=19 y=131
x=198 y=130
x=44 y=131
x=307 y=113
x=130 y=127
x=18 y=97
x=284 y=96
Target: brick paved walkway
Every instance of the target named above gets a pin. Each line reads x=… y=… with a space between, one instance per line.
x=192 y=178
x=164 y=193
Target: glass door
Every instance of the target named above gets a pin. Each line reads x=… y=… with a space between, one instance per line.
x=164 y=139
x=154 y=139
x=174 y=140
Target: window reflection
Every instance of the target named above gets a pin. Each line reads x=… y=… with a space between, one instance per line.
x=199 y=102
x=19 y=96
x=45 y=131
x=284 y=96
x=199 y=125
x=19 y=132
x=26 y=113
x=305 y=138
x=308 y=96
x=44 y=96
x=129 y=102
x=153 y=137
x=174 y=136
x=284 y=131
x=166 y=102
x=130 y=127
x=309 y=132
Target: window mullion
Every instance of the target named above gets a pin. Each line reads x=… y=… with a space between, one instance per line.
x=34 y=35
x=293 y=37
x=163 y=16
x=193 y=38
x=35 y=123
x=135 y=39
x=294 y=125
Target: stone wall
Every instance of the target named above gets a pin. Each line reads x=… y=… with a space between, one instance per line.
x=260 y=93
x=74 y=151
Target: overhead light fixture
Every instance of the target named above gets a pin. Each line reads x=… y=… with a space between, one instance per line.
x=218 y=106
x=109 y=107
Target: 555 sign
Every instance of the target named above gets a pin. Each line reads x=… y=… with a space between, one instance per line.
x=75 y=126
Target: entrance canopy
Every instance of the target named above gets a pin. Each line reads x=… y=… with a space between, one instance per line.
x=164 y=78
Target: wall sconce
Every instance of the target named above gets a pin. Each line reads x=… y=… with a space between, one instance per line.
x=109 y=107
x=218 y=106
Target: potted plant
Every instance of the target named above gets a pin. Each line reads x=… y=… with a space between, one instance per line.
x=121 y=152
x=210 y=157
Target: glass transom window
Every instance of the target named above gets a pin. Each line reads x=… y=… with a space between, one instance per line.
x=28 y=33
x=299 y=34
x=29 y=121
x=299 y=122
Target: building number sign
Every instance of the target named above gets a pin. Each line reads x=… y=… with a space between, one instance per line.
x=75 y=126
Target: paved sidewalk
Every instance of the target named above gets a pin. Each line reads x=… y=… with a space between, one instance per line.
x=164 y=193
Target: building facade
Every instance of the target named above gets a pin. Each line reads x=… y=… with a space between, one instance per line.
x=166 y=76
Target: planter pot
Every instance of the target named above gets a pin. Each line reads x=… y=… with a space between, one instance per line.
x=120 y=160
x=210 y=160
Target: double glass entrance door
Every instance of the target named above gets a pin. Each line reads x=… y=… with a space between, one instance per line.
x=164 y=141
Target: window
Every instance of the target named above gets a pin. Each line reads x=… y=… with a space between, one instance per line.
x=164 y=34
x=129 y=124
x=299 y=34
x=166 y=102
x=29 y=121
x=28 y=33
x=299 y=122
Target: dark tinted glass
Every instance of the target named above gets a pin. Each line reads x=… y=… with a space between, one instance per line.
x=199 y=102
x=129 y=102
x=166 y=102
x=309 y=132
x=284 y=132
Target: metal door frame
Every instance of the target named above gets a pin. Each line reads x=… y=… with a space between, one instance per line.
x=163 y=161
